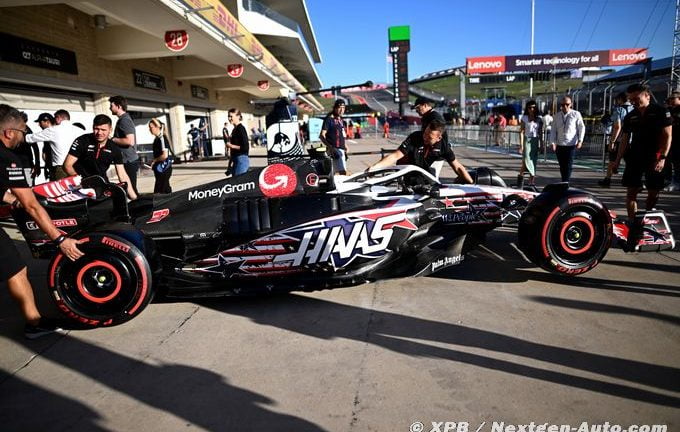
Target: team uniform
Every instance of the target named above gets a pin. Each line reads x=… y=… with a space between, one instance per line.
x=11 y=176
x=335 y=135
x=643 y=152
x=93 y=159
x=417 y=153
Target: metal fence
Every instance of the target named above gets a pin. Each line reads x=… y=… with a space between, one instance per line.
x=593 y=153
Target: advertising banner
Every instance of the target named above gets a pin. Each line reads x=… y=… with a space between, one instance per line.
x=553 y=61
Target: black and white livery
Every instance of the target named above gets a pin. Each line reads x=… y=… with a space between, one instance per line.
x=294 y=226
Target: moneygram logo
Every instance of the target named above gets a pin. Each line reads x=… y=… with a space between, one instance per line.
x=227 y=189
x=485 y=64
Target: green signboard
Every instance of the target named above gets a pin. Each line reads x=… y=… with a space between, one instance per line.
x=399 y=33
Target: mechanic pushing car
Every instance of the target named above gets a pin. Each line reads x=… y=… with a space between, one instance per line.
x=15 y=190
x=422 y=148
x=92 y=154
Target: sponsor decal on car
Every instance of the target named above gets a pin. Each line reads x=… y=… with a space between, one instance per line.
x=217 y=192
x=32 y=225
x=277 y=180
x=334 y=241
x=445 y=262
x=158 y=215
x=115 y=244
x=312 y=180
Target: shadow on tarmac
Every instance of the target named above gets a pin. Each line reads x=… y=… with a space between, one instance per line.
x=513 y=268
x=391 y=331
x=605 y=308
x=198 y=396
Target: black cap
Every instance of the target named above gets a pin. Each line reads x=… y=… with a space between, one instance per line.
x=45 y=116
x=421 y=100
x=339 y=102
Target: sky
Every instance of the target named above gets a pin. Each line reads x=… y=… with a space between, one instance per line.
x=352 y=34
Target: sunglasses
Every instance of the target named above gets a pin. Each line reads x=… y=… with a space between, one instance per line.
x=23 y=131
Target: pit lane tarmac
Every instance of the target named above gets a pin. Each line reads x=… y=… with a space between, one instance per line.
x=493 y=339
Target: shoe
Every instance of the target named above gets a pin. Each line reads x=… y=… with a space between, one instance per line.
x=520 y=181
x=605 y=182
x=44 y=327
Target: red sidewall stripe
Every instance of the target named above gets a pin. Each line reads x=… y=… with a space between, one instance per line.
x=544 y=233
x=142 y=270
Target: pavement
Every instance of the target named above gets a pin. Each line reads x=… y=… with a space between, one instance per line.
x=493 y=340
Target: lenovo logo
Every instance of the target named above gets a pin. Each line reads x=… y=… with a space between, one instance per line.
x=485 y=64
x=627 y=56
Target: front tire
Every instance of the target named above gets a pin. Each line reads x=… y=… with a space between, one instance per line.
x=109 y=285
x=568 y=233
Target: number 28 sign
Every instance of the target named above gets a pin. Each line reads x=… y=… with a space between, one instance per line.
x=176 y=40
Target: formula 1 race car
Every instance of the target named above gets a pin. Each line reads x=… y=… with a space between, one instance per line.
x=294 y=226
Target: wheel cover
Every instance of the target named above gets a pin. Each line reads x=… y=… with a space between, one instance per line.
x=101 y=285
x=98 y=282
x=576 y=237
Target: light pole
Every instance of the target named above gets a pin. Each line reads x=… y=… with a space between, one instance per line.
x=531 y=79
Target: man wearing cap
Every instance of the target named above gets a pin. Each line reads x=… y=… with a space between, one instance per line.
x=15 y=190
x=422 y=148
x=30 y=156
x=672 y=169
x=427 y=113
x=62 y=136
x=333 y=135
x=46 y=120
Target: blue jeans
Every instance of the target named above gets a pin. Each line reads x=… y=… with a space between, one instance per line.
x=241 y=164
x=565 y=157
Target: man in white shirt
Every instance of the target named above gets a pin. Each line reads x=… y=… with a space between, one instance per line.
x=62 y=136
x=566 y=135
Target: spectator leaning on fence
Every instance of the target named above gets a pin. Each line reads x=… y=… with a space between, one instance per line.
x=622 y=108
x=650 y=127
x=566 y=136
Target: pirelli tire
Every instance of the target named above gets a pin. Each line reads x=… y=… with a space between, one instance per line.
x=565 y=231
x=109 y=285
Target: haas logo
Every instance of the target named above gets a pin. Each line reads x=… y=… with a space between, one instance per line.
x=277 y=180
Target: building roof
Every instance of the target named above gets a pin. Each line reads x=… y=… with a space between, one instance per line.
x=630 y=72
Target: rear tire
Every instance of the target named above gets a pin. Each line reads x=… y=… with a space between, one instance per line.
x=565 y=231
x=110 y=284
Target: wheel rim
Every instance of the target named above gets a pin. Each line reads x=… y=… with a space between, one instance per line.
x=577 y=237
x=98 y=282
x=98 y=286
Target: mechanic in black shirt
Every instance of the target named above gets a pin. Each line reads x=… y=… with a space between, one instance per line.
x=427 y=113
x=92 y=154
x=15 y=190
x=650 y=124
x=424 y=148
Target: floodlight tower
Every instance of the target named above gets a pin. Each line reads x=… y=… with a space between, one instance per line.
x=675 y=65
